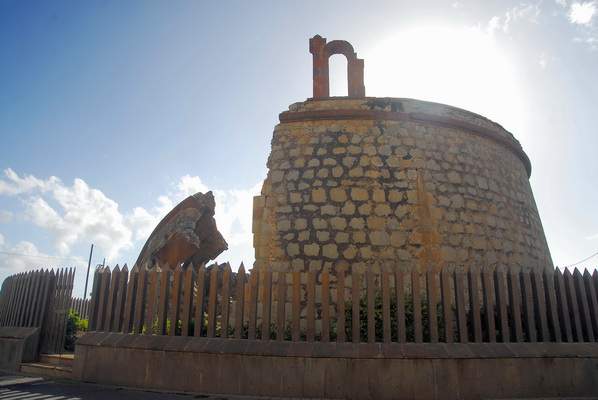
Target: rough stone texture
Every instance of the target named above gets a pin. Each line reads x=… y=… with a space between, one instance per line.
x=339 y=370
x=17 y=345
x=428 y=185
x=186 y=234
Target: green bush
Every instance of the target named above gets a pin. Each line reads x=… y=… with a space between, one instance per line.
x=74 y=325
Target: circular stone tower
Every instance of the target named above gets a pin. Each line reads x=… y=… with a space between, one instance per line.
x=370 y=181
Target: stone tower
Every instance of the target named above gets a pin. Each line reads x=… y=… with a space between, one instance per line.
x=369 y=181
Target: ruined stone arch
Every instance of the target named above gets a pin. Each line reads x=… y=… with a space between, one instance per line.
x=321 y=52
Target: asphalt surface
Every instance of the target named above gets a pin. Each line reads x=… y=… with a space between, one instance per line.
x=14 y=387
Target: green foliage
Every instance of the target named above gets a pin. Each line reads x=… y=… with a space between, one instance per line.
x=378 y=319
x=74 y=324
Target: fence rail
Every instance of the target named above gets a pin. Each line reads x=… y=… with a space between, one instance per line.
x=393 y=305
x=38 y=299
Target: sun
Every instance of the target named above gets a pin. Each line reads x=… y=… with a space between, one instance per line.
x=463 y=67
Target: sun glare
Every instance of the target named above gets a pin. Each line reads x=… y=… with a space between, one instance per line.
x=463 y=67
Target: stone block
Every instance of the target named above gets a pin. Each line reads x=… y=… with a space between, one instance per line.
x=330 y=251
x=312 y=249
x=318 y=195
x=338 y=195
x=379 y=238
x=338 y=223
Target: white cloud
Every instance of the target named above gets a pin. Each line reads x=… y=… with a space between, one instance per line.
x=83 y=214
x=78 y=214
x=5 y=216
x=25 y=256
x=590 y=41
x=189 y=185
x=234 y=213
x=562 y=3
x=523 y=12
x=542 y=61
x=582 y=13
x=592 y=237
x=493 y=25
x=14 y=184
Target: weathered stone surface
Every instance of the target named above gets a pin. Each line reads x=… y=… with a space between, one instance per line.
x=338 y=194
x=441 y=371
x=441 y=185
x=187 y=234
x=359 y=194
x=330 y=251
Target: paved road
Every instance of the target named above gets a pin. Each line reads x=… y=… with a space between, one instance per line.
x=24 y=388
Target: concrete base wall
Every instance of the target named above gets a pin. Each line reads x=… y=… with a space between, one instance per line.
x=17 y=345
x=321 y=370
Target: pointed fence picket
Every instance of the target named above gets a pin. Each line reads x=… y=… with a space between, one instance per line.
x=452 y=304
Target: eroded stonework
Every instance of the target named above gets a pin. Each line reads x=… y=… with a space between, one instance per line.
x=395 y=181
x=186 y=235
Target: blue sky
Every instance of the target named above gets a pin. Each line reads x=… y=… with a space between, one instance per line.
x=111 y=112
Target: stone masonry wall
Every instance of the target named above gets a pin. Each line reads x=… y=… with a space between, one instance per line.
x=407 y=190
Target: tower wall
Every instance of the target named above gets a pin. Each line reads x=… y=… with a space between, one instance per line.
x=377 y=181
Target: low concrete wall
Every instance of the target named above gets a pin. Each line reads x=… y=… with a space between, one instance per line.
x=331 y=370
x=17 y=345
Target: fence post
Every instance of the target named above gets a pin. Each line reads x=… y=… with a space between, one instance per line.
x=371 y=321
x=488 y=286
x=417 y=305
x=528 y=306
x=151 y=300
x=474 y=300
x=36 y=297
x=431 y=283
x=266 y=275
x=564 y=305
x=225 y=301
x=540 y=301
x=114 y=283
x=574 y=306
x=93 y=306
x=175 y=296
x=340 y=303
x=199 y=300
x=461 y=307
x=311 y=306
x=103 y=299
x=253 y=292
x=585 y=307
x=593 y=300
x=281 y=294
x=325 y=305
x=400 y=298
x=553 y=313
x=120 y=298
x=131 y=299
x=240 y=302
x=187 y=300
x=45 y=290
x=386 y=304
x=355 y=298
x=140 y=300
x=447 y=303
x=500 y=286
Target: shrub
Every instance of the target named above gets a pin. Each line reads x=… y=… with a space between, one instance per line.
x=74 y=325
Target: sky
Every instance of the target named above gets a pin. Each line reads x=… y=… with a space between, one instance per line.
x=112 y=112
